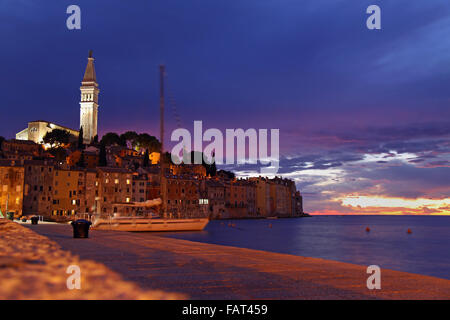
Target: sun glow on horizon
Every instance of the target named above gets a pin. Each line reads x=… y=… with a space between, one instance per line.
x=396 y=205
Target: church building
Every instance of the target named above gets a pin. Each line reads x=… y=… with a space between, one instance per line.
x=36 y=130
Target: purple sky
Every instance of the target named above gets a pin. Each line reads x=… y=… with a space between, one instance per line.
x=360 y=112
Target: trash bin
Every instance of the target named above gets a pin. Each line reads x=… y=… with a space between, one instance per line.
x=10 y=215
x=81 y=228
x=34 y=220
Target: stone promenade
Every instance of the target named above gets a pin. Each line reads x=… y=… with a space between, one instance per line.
x=206 y=271
x=34 y=267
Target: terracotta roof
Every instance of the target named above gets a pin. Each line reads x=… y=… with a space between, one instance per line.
x=20 y=141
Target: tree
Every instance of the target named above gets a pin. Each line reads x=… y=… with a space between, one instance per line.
x=111 y=138
x=211 y=168
x=80 y=139
x=1 y=142
x=146 y=162
x=57 y=138
x=95 y=139
x=144 y=140
x=102 y=156
x=130 y=138
x=227 y=174
x=81 y=162
x=167 y=158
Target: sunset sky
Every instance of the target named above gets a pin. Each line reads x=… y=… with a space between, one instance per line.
x=364 y=115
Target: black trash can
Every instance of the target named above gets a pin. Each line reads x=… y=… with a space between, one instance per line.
x=34 y=220
x=10 y=215
x=81 y=228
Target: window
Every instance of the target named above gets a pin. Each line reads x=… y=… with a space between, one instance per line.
x=116 y=181
x=127 y=199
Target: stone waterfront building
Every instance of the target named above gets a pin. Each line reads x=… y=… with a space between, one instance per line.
x=38 y=187
x=214 y=191
x=11 y=187
x=114 y=190
x=182 y=197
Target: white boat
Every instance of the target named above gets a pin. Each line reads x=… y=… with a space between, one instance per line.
x=149 y=224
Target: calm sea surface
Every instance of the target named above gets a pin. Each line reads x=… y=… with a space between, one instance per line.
x=343 y=238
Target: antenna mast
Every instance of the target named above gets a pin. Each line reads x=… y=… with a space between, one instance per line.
x=161 y=137
x=161 y=106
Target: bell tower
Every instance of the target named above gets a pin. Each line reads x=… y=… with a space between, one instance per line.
x=89 y=101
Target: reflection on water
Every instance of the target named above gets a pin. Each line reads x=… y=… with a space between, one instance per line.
x=343 y=238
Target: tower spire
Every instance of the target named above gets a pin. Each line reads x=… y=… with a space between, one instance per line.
x=89 y=101
x=89 y=74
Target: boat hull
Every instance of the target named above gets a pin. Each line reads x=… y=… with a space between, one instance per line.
x=151 y=225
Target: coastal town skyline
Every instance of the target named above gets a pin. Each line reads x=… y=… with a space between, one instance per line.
x=231 y=157
x=358 y=143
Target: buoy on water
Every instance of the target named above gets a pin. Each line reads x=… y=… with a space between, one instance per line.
x=409 y=231
x=367 y=229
